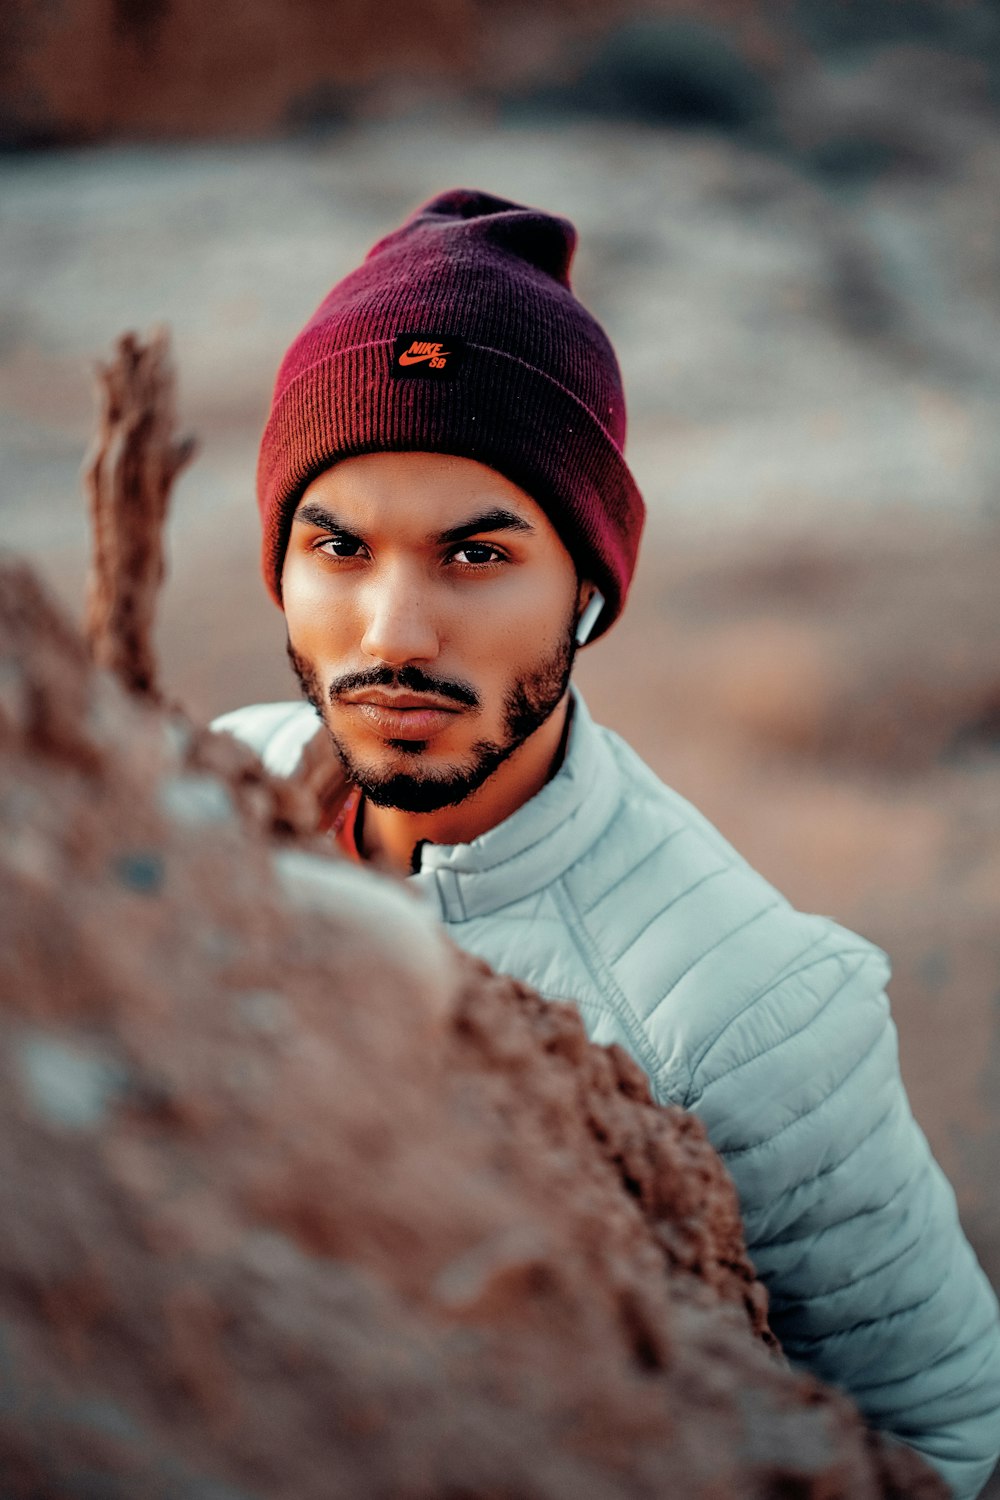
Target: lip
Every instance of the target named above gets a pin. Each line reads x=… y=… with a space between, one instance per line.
x=403 y=716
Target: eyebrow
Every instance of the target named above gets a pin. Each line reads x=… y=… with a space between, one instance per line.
x=315 y=515
x=489 y=520
x=496 y=519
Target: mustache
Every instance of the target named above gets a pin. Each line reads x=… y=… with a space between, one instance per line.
x=409 y=678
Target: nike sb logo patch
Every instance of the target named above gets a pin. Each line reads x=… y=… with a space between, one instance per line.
x=431 y=356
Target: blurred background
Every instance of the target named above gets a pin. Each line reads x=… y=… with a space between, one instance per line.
x=789 y=215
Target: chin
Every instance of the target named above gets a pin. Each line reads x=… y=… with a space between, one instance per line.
x=411 y=794
x=422 y=784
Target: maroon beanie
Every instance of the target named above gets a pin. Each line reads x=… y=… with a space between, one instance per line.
x=460 y=334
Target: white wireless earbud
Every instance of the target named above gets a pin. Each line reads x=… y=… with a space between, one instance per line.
x=588 y=619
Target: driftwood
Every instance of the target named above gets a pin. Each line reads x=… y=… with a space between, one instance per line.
x=128 y=475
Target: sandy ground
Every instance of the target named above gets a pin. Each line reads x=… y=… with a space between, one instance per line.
x=811 y=649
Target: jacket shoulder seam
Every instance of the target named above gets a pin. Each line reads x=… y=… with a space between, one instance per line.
x=604 y=980
x=786 y=1037
x=804 y=1115
x=773 y=984
x=716 y=943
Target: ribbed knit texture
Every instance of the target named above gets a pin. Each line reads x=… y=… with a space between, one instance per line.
x=537 y=395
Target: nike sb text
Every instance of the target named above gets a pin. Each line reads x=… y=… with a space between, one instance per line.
x=420 y=354
x=418 y=351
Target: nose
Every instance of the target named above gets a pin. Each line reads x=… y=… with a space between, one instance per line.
x=399 y=623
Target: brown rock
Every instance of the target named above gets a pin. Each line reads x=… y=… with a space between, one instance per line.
x=299 y=1201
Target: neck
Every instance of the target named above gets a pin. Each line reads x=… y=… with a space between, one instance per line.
x=390 y=836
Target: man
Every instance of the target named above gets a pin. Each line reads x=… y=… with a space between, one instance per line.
x=447 y=517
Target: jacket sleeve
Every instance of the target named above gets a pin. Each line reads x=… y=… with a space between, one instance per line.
x=849 y=1220
x=279 y=733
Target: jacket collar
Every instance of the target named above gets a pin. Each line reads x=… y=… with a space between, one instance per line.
x=537 y=843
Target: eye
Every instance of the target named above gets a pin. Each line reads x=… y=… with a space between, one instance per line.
x=343 y=546
x=478 y=554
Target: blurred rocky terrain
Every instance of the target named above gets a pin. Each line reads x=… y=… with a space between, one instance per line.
x=93 y=70
x=298 y=1200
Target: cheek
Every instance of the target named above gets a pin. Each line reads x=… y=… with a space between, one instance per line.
x=536 y=617
x=315 y=618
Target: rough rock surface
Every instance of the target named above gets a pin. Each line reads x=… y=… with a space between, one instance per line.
x=299 y=1201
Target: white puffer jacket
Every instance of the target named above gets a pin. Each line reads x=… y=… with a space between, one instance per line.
x=608 y=889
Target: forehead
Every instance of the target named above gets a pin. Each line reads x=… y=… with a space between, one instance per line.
x=417 y=496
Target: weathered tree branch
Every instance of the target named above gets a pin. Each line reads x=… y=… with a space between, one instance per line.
x=128 y=475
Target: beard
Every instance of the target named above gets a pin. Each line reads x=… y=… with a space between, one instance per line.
x=528 y=702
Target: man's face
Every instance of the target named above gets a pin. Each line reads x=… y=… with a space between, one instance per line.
x=431 y=610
